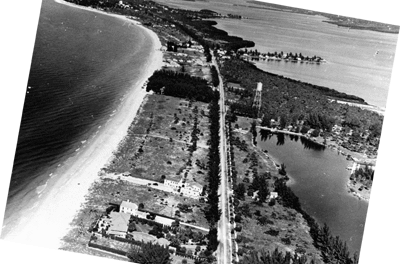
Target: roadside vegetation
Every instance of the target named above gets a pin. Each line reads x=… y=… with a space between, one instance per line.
x=265 y=226
x=301 y=108
x=178 y=138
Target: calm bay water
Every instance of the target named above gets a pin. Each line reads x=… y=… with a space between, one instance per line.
x=319 y=178
x=359 y=61
x=81 y=68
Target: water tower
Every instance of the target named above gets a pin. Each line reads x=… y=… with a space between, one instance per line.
x=257 y=98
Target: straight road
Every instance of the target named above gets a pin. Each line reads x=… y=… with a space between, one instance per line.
x=224 y=235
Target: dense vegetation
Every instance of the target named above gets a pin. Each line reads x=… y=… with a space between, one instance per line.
x=212 y=212
x=276 y=257
x=332 y=248
x=279 y=55
x=149 y=253
x=204 y=32
x=180 y=85
x=214 y=76
x=188 y=21
x=366 y=173
x=293 y=102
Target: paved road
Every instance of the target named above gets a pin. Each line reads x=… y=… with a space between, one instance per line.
x=224 y=234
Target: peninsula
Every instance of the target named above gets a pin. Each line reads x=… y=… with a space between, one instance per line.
x=177 y=178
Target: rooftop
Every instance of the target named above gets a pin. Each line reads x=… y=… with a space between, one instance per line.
x=195 y=184
x=234 y=85
x=130 y=205
x=119 y=221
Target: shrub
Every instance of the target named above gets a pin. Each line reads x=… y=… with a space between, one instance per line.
x=272 y=232
x=286 y=240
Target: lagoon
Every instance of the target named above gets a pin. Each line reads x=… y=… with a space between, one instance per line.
x=318 y=176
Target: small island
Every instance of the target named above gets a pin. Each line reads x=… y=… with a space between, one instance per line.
x=255 y=55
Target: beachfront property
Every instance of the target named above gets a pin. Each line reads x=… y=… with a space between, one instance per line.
x=128 y=207
x=192 y=189
x=132 y=209
x=116 y=223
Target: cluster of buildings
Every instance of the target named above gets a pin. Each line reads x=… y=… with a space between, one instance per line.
x=190 y=189
x=117 y=223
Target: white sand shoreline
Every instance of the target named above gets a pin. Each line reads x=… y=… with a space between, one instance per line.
x=50 y=220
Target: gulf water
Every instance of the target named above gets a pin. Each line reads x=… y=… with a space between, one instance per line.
x=83 y=64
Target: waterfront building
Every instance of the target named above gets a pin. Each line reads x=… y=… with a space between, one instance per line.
x=118 y=224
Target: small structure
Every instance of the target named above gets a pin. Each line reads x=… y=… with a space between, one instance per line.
x=234 y=86
x=273 y=195
x=128 y=207
x=163 y=242
x=173 y=184
x=255 y=195
x=193 y=189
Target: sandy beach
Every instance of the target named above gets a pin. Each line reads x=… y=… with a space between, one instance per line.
x=48 y=220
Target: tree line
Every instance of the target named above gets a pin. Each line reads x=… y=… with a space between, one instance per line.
x=212 y=212
x=333 y=249
x=276 y=257
x=214 y=76
x=180 y=85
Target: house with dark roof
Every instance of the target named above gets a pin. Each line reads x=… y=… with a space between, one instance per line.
x=234 y=86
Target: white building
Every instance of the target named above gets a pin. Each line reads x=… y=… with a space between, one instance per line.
x=273 y=195
x=192 y=189
x=128 y=207
x=187 y=189
x=173 y=184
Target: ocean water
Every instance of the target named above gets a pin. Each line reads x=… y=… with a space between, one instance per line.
x=359 y=61
x=319 y=178
x=81 y=69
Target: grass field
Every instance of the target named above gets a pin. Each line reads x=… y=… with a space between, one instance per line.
x=158 y=141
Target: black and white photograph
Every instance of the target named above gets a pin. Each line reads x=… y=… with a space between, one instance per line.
x=199 y=132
